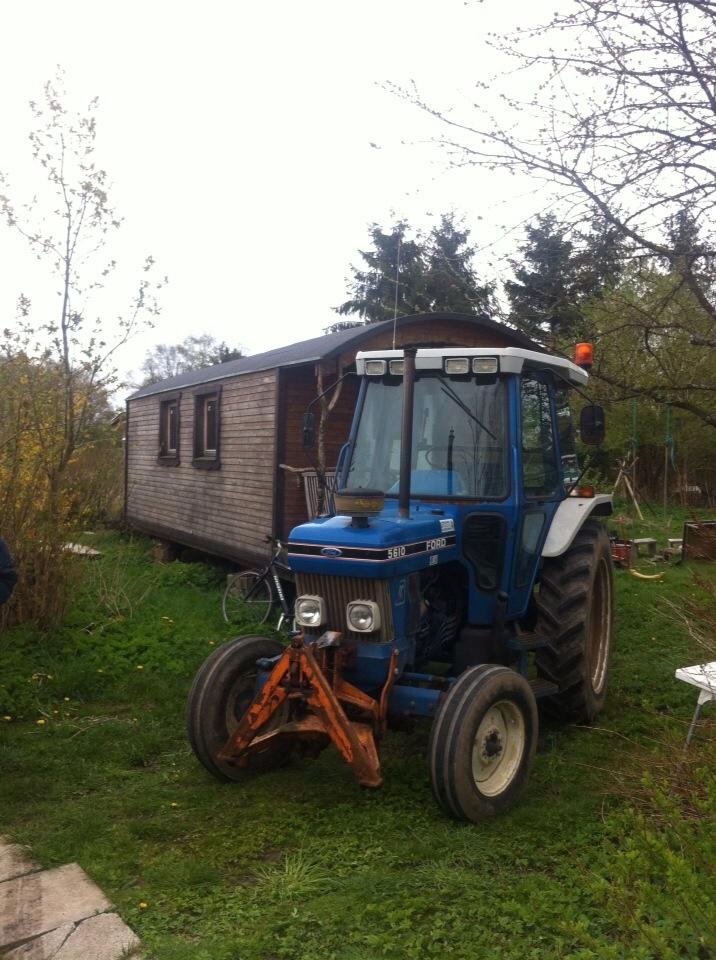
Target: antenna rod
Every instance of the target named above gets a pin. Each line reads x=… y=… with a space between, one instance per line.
x=395 y=304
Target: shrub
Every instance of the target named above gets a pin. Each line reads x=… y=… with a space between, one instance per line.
x=47 y=489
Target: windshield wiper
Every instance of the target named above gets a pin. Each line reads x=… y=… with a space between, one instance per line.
x=448 y=391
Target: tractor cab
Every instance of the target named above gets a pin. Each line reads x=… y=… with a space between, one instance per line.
x=463 y=575
x=491 y=458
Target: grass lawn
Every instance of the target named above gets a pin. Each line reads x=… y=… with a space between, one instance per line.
x=610 y=854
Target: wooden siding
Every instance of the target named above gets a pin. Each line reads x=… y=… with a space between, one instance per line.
x=227 y=511
x=298 y=388
x=438 y=333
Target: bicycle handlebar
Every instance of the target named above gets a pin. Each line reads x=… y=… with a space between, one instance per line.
x=275 y=541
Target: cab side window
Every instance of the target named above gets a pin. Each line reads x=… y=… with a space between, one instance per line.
x=539 y=466
x=567 y=437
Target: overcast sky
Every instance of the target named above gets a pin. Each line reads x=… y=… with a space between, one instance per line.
x=249 y=145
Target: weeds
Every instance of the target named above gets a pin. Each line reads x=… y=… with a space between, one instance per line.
x=609 y=855
x=298 y=875
x=121 y=587
x=697 y=615
x=657 y=876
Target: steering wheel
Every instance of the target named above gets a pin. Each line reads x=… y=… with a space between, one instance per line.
x=437 y=456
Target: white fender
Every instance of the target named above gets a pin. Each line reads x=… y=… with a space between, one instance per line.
x=570 y=515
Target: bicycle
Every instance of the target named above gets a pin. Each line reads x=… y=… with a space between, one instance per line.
x=251 y=594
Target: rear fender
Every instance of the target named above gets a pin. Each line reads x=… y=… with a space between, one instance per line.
x=569 y=518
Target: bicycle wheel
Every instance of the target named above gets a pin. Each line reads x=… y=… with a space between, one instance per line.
x=247 y=599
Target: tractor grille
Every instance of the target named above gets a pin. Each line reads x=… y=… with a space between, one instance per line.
x=338 y=592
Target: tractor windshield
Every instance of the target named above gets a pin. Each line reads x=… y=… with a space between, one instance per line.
x=460 y=443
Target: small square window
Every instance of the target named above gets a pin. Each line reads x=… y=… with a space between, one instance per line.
x=169 y=430
x=206 y=430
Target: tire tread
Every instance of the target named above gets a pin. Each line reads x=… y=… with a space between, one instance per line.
x=446 y=759
x=562 y=608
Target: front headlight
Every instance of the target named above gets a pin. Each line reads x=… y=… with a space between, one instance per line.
x=310 y=611
x=363 y=616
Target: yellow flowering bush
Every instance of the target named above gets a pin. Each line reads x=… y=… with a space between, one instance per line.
x=43 y=494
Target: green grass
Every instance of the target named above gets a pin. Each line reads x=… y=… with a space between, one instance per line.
x=599 y=860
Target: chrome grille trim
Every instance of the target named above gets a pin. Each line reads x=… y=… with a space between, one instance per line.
x=338 y=592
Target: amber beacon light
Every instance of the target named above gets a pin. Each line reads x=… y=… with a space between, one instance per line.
x=584 y=355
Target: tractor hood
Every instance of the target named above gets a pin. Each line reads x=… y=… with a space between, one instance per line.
x=388 y=546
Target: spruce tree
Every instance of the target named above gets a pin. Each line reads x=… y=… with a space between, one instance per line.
x=557 y=274
x=432 y=273
x=542 y=295
x=450 y=280
x=390 y=279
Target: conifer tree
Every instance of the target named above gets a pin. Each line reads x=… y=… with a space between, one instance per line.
x=542 y=295
x=390 y=279
x=406 y=276
x=451 y=283
x=558 y=273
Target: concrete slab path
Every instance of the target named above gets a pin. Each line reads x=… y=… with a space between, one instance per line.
x=14 y=861
x=57 y=914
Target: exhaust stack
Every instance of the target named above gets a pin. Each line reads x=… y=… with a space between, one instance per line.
x=406 y=440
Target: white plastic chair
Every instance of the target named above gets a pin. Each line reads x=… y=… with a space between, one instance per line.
x=703 y=677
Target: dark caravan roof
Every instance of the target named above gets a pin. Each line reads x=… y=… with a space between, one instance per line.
x=324 y=348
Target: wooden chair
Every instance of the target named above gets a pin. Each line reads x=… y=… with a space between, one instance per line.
x=308 y=479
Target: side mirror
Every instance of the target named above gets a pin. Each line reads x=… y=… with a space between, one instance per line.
x=591 y=425
x=309 y=431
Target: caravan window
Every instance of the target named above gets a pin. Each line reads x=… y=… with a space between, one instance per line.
x=169 y=430
x=207 y=428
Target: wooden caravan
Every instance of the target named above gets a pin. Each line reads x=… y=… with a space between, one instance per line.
x=214 y=457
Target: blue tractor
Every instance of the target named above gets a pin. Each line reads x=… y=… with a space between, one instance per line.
x=464 y=576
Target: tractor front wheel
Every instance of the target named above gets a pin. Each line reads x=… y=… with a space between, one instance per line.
x=483 y=742
x=222 y=692
x=576 y=612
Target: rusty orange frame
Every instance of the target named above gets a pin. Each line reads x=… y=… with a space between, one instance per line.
x=299 y=676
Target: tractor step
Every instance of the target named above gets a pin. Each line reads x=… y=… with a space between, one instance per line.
x=543 y=688
x=524 y=642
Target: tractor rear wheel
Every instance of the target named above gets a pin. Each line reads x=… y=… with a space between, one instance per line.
x=576 y=612
x=483 y=742
x=223 y=689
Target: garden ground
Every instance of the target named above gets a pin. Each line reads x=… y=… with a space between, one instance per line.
x=610 y=854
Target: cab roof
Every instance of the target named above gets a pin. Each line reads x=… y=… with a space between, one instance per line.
x=511 y=360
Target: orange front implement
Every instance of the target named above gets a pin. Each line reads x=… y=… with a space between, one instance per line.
x=310 y=678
